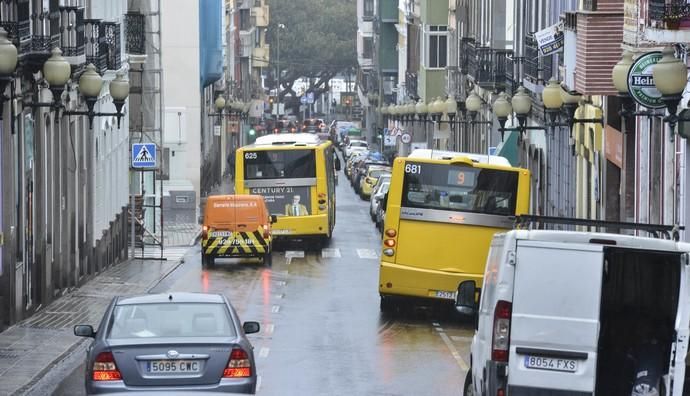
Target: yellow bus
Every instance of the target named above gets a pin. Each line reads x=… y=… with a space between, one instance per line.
x=295 y=173
x=442 y=210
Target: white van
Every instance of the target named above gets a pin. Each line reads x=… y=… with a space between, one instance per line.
x=579 y=313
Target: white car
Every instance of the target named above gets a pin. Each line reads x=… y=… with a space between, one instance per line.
x=355 y=146
x=380 y=188
x=579 y=313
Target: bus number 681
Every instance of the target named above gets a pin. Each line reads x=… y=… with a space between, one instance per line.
x=415 y=169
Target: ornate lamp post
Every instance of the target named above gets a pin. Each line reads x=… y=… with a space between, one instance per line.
x=57 y=71
x=8 y=64
x=670 y=78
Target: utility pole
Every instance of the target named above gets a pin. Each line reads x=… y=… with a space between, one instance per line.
x=280 y=27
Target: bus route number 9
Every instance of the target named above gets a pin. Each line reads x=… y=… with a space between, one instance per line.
x=250 y=156
x=414 y=169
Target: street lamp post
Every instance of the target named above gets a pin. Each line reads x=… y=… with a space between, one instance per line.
x=8 y=64
x=280 y=27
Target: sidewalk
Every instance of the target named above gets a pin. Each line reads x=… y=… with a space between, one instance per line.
x=31 y=348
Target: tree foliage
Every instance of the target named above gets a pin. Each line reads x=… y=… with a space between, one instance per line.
x=318 y=41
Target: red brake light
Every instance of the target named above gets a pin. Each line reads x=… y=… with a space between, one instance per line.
x=389 y=242
x=238 y=365
x=501 y=334
x=105 y=369
x=391 y=233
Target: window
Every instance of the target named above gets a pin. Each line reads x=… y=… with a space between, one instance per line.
x=457 y=188
x=276 y=164
x=368 y=9
x=437 y=47
x=367 y=47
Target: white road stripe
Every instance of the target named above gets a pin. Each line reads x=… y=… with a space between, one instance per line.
x=279 y=296
x=439 y=329
x=258 y=383
x=454 y=351
x=367 y=254
x=436 y=324
x=275 y=309
x=331 y=253
x=461 y=338
x=294 y=254
x=264 y=352
x=269 y=329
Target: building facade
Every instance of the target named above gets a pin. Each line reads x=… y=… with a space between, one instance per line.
x=64 y=182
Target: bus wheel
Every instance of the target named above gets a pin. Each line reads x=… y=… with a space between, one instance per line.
x=467 y=390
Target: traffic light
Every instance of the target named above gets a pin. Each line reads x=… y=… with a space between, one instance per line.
x=252 y=132
x=270 y=100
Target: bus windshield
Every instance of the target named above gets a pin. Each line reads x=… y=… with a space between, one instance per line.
x=459 y=188
x=279 y=164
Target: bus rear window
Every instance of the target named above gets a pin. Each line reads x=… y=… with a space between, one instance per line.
x=459 y=188
x=279 y=164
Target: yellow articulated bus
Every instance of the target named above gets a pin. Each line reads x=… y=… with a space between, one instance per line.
x=295 y=173
x=443 y=208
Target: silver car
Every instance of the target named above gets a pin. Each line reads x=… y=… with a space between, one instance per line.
x=170 y=342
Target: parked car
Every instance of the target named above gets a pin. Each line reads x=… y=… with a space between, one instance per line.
x=583 y=313
x=350 y=162
x=381 y=212
x=177 y=341
x=369 y=178
x=355 y=146
x=361 y=170
x=380 y=190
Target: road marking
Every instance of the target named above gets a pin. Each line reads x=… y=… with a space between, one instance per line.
x=331 y=253
x=367 y=254
x=436 y=324
x=280 y=296
x=258 y=383
x=294 y=254
x=461 y=338
x=270 y=328
x=439 y=329
x=275 y=309
x=454 y=351
x=264 y=352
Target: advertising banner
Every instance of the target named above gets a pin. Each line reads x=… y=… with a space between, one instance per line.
x=286 y=201
x=550 y=40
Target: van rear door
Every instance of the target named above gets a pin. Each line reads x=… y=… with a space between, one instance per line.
x=555 y=316
x=680 y=346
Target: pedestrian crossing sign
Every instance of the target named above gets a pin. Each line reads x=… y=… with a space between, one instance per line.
x=143 y=155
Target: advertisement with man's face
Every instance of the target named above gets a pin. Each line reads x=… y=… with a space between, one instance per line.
x=286 y=201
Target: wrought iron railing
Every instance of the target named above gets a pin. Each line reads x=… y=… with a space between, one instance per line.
x=72 y=39
x=93 y=43
x=411 y=84
x=668 y=12
x=512 y=65
x=135 y=33
x=111 y=44
x=537 y=69
x=480 y=67
x=467 y=52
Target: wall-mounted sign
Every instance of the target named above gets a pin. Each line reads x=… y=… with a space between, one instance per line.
x=406 y=138
x=641 y=82
x=550 y=40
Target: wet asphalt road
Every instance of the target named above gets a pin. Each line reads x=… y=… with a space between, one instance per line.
x=322 y=332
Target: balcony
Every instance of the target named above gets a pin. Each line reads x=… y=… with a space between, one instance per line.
x=467 y=53
x=94 y=33
x=111 y=46
x=260 y=56
x=668 y=23
x=246 y=43
x=411 y=84
x=135 y=33
x=537 y=69
x=260 y=15
x=72 y=40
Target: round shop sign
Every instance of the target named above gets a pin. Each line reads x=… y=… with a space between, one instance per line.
x=406 y=138
x=641 y=82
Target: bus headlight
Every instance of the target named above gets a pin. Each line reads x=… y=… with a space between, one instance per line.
x=389 y=252
x=323 y=207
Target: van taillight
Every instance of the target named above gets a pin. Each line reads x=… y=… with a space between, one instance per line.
x=501 y=337
x=204 y=232
x=266 y=233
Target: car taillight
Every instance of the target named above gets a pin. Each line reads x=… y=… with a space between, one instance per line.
x=501 y=337
x=239 y=365
x=105 y=369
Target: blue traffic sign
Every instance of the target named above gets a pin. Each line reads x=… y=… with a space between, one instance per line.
x=143 y=155
x=303 y=100
x=310 y=97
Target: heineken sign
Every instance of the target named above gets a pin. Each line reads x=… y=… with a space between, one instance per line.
x=641 y=82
